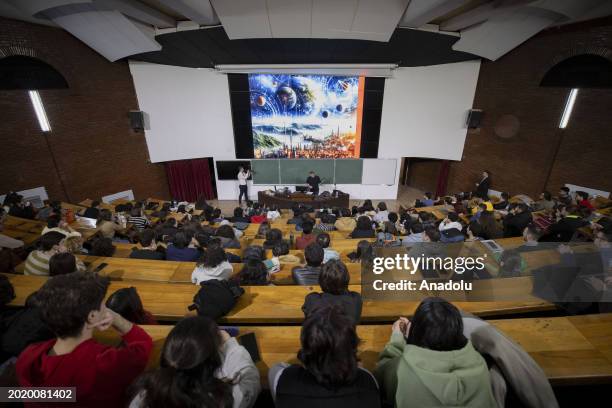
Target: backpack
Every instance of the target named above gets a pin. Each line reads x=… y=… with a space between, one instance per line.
x=216 y=298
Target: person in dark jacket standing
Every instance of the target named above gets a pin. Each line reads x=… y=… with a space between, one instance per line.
x=334 y=280
x=482 y=187
x=330 y=375
x=313 y=181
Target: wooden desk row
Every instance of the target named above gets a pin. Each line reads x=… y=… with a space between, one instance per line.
x=282 y=304
x=570 y=350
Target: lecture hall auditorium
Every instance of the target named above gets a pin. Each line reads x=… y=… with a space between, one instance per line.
x=284 y=203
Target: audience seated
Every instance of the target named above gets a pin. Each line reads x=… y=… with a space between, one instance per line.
x=212 y=265
x=128 y=304
x=281 y=251
x=137 y=219
x=582 y=200
x=273 y=237
x=323 y=239
x=37 y=262
x=568 y=221
x=363 y=253
x=329 y=368
x=166 y=231
x=72 y=307
x=239 y=216
x=345 y=223
x=531 y=235
x=55 y=223
x=102 y=247
x=545 y=203
x=334 y=280
x=309 y=274
x=326 y=224
x=273 y=213
x=63 y=263
x=254 y=272
x=382 y=215
x=307 y=236
x=426 y=201
x=517 y=219
x=565 y=197
x=428 y=362
x=106 y=225
x=485 y=227
x=503 y=203
x=416 y=234
x=181 y=249
x=263 y=229
x=19 y=327
x=363 y=229
x=148 y=248
x=200 y=366
x=227 y=236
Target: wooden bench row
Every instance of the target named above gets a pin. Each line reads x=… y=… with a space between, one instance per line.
x=570 y=350
x=282 y=304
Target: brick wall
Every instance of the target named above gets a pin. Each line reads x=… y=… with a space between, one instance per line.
x=96 y=151
x=511 y=86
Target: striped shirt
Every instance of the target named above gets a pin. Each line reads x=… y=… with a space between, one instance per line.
x=324 y=227
x=37 y=263
x=139 y=222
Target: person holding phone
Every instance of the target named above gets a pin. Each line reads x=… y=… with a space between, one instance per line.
x=243 y=176
x=313 y=181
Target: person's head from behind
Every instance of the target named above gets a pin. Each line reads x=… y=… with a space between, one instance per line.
x=105 y=216
x=564 y=191
x=453 y=217
x=180 y=240
x=254 y=272
x=135 y=212
x=214 y=256
x=382 y=206
x=103 y=247
x=226 y=231
x=238 y=212
x=582 y=195
x=281 y=248
x=510 y=264
x=367 y=205
x=329 y=347
x=51 y=241
x=53 y=221
x=314 y=255
x=505 y=196
x=72 y=303
x=263 y=229
x=437 y=325
x=393 y=217
x=364 y=223
x=73 y=244
x=532 y=233
x=307 y=227
x=323 y=239
x=127 y=303
x=327 y=219
x=62 y=263
x=188 y=363
x=334 y=277
x=297 y=211
x=147 y=238
x=431 y=235
x=427 y=195
x=364 y=250
x=95 y=204
x=416 y=228
x=274 y=235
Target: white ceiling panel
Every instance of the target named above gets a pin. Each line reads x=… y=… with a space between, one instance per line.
x=199 y=11
x=32 y=7
x=139 y=11
x=109 y=33
x=378 y=19
x=502 y=33
x=330 y=19
x=421 y=12
x=290 y=18
x=570 y=8
x=243 y=18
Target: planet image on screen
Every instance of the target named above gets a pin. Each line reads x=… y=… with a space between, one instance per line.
x=260 y=100
x=287 y=97
x=325 y=114
x=339 y=108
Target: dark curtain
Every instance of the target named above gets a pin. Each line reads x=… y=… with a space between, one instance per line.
x=442 y=179
x=190 y=179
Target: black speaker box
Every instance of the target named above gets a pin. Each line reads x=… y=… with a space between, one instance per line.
x=474 y=118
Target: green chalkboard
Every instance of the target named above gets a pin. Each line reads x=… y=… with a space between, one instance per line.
x=295 y=171
x=348 y=171
x=265 y=171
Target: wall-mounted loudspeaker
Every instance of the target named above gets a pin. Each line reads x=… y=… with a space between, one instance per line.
x=137 y=120
x=474 y=118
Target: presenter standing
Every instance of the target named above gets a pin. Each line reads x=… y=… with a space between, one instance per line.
x=313 y=181
x=243 y=176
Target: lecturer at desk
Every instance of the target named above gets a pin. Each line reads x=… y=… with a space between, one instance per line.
x=313 y=181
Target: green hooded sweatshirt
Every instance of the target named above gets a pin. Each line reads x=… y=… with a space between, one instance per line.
x=417 y=377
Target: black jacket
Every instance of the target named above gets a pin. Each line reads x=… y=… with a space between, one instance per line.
x=564 y=229
x=482 y=190
x=514 y=224
x=357 y=233
x=298 y=388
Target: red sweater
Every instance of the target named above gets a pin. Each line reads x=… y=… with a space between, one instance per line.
x=586 y=204
x=100 y=373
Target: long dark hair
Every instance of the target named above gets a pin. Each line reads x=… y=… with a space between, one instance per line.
x=127 y=303
x=186 y=374
x=329 y=347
